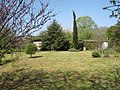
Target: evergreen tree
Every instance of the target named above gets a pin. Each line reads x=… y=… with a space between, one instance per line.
x=54 y=39
x=75 y=33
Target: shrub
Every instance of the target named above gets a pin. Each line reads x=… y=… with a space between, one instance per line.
x=106 y=52
x=96 y=54
x=30 y=49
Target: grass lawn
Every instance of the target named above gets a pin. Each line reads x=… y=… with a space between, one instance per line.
x=61 y=71
x=64 y=61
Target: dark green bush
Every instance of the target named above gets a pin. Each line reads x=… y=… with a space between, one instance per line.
x=30 y=49
x=96 y=54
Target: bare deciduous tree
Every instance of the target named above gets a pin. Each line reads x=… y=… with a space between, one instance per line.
x=22 y=18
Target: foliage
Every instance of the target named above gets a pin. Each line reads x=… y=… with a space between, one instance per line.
x=30 y=49
x=90 y=46
x=6 y=38
x=96 y=54
x=110 y=32
x=69 y=36
x=34 y=38
x=100 y=34
x=106 y=52
x=85 y=34
x=13 y=56
x=86 y=27
x=89 y=34
x=21 y=18
x=54 y=38
x=59 y=80
x=86 y=22
x=75 y=32
x=113 y=34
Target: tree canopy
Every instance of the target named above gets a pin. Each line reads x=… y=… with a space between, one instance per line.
x=113 y=34
x=86 y=27
x=86 y=22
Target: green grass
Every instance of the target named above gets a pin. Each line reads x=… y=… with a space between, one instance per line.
x=63 y=60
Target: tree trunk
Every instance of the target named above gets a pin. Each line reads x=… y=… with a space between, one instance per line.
x=30 y=55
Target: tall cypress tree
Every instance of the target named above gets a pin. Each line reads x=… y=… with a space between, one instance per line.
x=75 y=33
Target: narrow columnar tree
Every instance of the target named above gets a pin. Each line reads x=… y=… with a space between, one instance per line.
x=75 y=33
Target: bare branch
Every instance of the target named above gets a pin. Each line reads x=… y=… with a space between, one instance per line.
x=22 y=18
